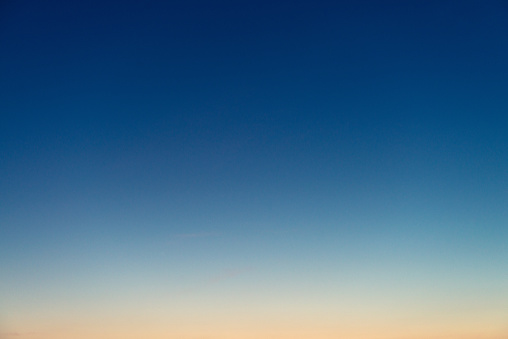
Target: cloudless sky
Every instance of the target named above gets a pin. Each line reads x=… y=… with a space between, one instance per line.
x=253 y=169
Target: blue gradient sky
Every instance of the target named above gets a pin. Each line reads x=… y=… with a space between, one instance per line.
x=241 y=169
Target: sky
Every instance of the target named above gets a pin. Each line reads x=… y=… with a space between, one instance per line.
x=253 y=169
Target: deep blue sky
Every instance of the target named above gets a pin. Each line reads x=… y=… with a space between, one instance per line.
x=369 y=124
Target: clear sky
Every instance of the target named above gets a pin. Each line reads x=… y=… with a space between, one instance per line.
x=253 y=169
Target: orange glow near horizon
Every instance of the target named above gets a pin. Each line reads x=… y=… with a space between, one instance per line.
x=257 y=327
